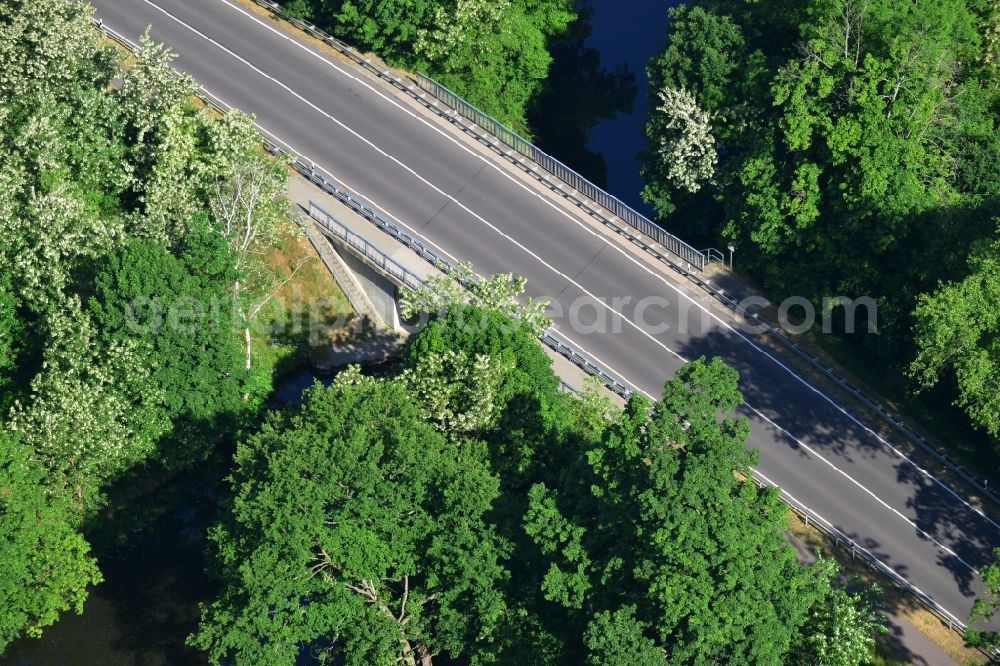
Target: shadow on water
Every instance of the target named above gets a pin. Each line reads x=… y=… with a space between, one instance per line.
x=151 y=548
x=579 y=94
x=154 y=575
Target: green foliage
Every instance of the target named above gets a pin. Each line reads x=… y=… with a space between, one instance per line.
x=493 y=53
x=986 y=608
x=857 y=150
x=46 y=562
x=179 y=311
x=617 y=638
x=503 y=293
x=842 y=625
x=473 y=330
x=106 y=199
x=358 y=530
x=659 y=507
x=11 y=339
x=958 y=330
x=93 y=410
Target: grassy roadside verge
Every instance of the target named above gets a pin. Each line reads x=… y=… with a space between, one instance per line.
x=306 y=315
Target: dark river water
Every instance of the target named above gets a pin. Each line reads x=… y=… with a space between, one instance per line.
x=628 y=31
x=148 y=603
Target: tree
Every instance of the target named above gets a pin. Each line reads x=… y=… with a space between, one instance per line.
x=842 y=625
x=502 y=293
x=11 y=338
x=457 y=393
x=703 y=58
x=48 y=47
x=357 y=530
x=492 y=53
x=652 y=530
x=958 y=330
x=524 y=395
x=860 y=133
x=49 y=238
x=247 y=207
x=688 y=153
x=986 y=608
x=92 y=411
x=179 y=312
x=47 y=564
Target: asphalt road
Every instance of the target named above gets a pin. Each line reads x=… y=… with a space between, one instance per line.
x=473 y=209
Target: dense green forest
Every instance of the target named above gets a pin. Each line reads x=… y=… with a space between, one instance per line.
x=466 y=507
x=128 y=264
x=494 y=53
x=847 y=147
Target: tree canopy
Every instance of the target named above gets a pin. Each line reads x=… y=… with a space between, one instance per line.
x=845 y=147
x=108 y=176
x=467 y=508
x=357 y=529
x=493 y=53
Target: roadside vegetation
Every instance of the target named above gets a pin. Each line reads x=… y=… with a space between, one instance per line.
x=467 y=510
x=850 y=148
x=494 y=53
x=131 y=229
x=459 y=508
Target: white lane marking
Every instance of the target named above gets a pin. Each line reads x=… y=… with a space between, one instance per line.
x=862 y=548
x=837 y=406
x=585 y=291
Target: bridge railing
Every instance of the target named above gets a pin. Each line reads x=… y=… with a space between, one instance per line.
x=689 y=255
x=696 y=258
x=382 y=261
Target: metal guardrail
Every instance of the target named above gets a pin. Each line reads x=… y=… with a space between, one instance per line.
x=381 y=260
x=982 y=485
x=841 y=540
x=688 y=254
x=548 y=338
x=567 y=175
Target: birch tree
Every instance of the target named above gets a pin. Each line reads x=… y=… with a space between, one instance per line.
x=247 y=207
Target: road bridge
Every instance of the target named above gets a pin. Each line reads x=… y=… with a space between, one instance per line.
x=622 y=308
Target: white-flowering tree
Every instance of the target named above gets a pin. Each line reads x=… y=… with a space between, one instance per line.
x=48 y=47
x=502 y=292
x=162 y=128
x=841 y=625
x=458 y=393
x=456 y=28
x=93 y=410
x=45 y=240
x=687 y=147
